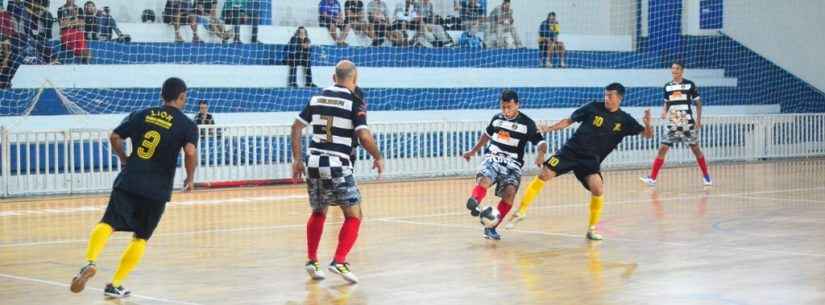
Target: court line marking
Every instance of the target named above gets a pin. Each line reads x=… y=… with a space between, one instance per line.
x=57 y=284
x=581 y=236
x=263 y=228
x=778 y=199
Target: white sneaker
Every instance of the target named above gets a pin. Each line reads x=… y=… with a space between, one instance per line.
x=592 y=235
x=515 y=218
x=314 y=271
x=649 y=181
x=343 y=270
x=707 y=181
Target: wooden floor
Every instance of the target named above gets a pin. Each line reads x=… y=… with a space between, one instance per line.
x=755 y=237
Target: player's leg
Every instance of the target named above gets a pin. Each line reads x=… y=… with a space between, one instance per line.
x=595 y=184
x=143 y=221
x=562 y=52
x=349 y=199
x=700 y=160
x=315 y=224
x=657 y=164
x=507 y=187
x=556 y=165
x=484 y=179
x=97 y=241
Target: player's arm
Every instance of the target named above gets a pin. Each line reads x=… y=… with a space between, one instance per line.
x=541 y=152
x=698 y=118
x=368 y=142
x=557 y=126
x=482 y=141
x=297 y=161
x=116 y=142
x=647 y=120
x=190 y=161
x=664 y=110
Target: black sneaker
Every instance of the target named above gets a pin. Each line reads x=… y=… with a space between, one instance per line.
x=490 y=233
x=472 y=205
x=80 y=279
x=342 y=269
x=116 y=292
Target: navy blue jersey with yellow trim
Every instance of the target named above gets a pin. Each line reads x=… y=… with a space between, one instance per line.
x=600 y=130
x=157 y=135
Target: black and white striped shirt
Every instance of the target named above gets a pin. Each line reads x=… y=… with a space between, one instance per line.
x=509 y=137
x=334 y=116
x=680 y=98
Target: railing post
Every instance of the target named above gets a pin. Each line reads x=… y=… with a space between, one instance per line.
x=6 y=151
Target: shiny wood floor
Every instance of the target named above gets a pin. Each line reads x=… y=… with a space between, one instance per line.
x=755 y=237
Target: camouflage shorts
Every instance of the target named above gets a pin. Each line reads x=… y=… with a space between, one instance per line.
x=503 y=171
x=330 y=183
x=687 y=137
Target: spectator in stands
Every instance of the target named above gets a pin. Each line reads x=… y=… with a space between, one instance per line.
x=238 y=12
x=470 y=11
x=432 y=34
x=90 y=24
x=9 y=53
x=378 y=16
x=503 y=33
x=208 y=17
x=330 y=17
x=207 y=5
x=298 y=54
x=549 y=42
x=204 y=117
x=177 y=12
x=405 y=20
x=33 y=31
x=108 y=27
x=354 y=18
x=469 y=38
x=71 y=34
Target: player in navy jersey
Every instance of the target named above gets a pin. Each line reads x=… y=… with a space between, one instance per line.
x=603 y=127
x=681 y=95
x=337 y=118
x=508 y=134
x=144 y=184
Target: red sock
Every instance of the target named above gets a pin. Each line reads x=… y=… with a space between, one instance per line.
x=703 y=166
x=346 y=238
x=315 y=228
x=657 y=165
x=479 y=192
x=503 y=208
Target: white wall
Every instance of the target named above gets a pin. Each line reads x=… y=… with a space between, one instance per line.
x=788 y=33
x=690 y=19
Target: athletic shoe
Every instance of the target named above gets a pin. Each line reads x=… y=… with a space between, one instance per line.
x=514 y=219
x=80 y=279
x=707 y=181
x=116 y=292
x=314 y=270
x=592 y=235
x=649 y=181
x=490 y=233
x=342 y=269
x=472 y=205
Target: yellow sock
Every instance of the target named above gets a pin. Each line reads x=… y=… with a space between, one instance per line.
x=131 y=257
x=596 y=203
x=533 y=190
x=100 y=235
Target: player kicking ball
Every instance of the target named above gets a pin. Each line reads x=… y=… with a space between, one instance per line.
x=508 y=134
x=603 y=126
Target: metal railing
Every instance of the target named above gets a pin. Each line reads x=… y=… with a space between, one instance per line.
x=80 y=160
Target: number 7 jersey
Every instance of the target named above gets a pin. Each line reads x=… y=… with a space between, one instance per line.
x=157 y=135
x=334 y=116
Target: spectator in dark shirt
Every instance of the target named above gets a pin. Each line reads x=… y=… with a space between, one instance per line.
x=297 y=54
x=549 y=42
x=71 y=31
x=471 y=12
x=378 y=17
x=9 y=54
x=108 y=27
x=180 y=11
x=331 y=18
x=238 y=12
x=204 y=117
x=354 y=18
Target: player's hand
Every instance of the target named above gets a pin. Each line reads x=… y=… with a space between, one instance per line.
x=378 y=165
x=188 y=185
x=647 y=118
x=468 y=155
x=698 y=125
x=545 y=128
x=540 y=161
x=297 y=171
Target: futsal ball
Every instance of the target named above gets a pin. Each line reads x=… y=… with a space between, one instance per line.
x=490 y=217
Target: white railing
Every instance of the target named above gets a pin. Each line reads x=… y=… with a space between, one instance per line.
x=80 y=161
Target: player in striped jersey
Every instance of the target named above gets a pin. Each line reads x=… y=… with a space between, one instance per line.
x=683 y=125
x=337 y=119
x=508 y=134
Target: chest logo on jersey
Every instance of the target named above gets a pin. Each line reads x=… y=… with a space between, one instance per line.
x=504 y=135
x=161 y=119
x=598 y=121
x=617 y=127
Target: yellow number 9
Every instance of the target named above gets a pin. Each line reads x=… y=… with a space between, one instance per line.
x=151 y=139
x=553 y=161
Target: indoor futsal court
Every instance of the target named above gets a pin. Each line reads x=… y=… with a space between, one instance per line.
x=752 y=238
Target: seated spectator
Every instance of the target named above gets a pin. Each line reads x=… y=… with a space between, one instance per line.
x=549 y=42
x=297 y=54
x=33 y=32
x=469 y=38
x=90 y=28
x=239 y=12
x=177 y=12
x=71 y=34
x=378 y=16
x=431 y=34
x=108 y=27
x=405 y=20
x=354 y=18
x=208 y=17
x=330 y=17
x=503 y=33
x=471 y=12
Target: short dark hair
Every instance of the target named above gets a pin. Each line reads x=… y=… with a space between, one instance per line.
x=172 y=89
x=507 y=1
x=617 y=87
x=551 y=14
x=203 y=102
x=679 y=63
x=509 y=95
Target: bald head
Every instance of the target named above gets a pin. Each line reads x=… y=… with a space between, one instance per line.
x=345 y=74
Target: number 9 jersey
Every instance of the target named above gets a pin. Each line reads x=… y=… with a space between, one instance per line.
x=157 y=135
x=334 y=116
